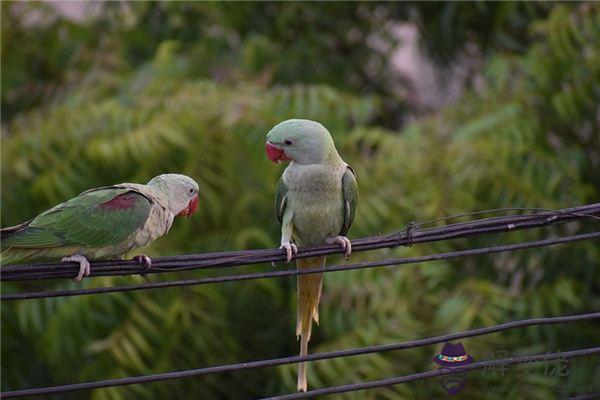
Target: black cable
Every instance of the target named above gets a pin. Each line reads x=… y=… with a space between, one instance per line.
x=237 y=258
x=295 y=359
x=495 y=210
x=431 y=374
x=588 y=396
x=279 y=274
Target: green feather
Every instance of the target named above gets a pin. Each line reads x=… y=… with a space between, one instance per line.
x=350 y=192
x=280 y=199
x=83 y=221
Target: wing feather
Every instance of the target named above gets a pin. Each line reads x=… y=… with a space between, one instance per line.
x=350 y=198
x=280 y=199
x=95 y=218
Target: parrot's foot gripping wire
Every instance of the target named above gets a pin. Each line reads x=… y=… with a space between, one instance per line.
x=84 y=265
x=290 y=250
x=145 y=261
x=342 y=241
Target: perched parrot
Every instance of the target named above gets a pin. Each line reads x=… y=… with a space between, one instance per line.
x=315 y=202
x=104 y=222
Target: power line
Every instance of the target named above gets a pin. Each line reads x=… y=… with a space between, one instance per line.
x=431 y=374
x=238 y=258
x=588 y=396
x=296 y=359
x=408 y=237
x=284 y=273
x=504 y=209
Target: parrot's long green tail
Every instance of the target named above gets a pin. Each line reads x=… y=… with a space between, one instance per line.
x=11 y=255
x=14 y=256
x=309 y=293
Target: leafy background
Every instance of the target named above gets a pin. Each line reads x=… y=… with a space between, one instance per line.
x=143 y=88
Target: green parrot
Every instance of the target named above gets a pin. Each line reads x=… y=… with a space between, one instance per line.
x=315 y=202
x=104 y=222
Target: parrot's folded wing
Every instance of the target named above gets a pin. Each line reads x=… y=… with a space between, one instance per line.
x=99 y=217
x=280 y=199
x=350 y=192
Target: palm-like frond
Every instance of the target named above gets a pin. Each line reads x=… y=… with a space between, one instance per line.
x=491 y=150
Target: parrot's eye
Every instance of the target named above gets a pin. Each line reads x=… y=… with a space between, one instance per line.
x=191 y=190
x=289 y=142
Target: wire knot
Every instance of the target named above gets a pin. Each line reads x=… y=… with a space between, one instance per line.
x=410 y=230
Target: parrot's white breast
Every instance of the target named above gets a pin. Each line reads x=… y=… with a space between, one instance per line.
x=159 y=221
x=315 y=198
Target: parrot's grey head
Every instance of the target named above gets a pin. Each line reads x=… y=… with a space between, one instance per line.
x=181 y=190
x=301 y=140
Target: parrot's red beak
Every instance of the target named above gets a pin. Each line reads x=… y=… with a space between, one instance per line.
x=191 y=208
x=275 y=154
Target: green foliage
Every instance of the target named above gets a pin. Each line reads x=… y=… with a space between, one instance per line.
x=33 y=73
x=218 y=40
x=492 y=26
x=528 y=138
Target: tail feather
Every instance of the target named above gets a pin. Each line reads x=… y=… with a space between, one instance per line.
x=9 y=233
x=10 y=255
x=14 y=255
x=309 y=294
x=9 y=230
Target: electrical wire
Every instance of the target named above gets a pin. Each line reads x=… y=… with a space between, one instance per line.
x=284 y=273
x=311 y=357
x=588 y=396
x=412 y=234
x=432 y=374
x=505 y=209
x=406 y=237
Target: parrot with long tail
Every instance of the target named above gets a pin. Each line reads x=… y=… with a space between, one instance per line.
x=102 y=223
x=315 y=203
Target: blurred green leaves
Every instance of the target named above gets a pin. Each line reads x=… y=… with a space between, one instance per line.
x=194 y=87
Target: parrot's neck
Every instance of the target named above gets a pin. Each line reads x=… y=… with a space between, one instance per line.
x=331 y=158
x=332 y=163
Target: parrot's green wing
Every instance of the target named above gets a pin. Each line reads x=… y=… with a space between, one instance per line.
x=98 y=217
x=350 y=193
x=280 y=199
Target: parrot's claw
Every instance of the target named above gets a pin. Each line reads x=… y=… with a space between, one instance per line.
x=84 y=265
x=344 y=242
x=290 y=250
x=144 y=260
